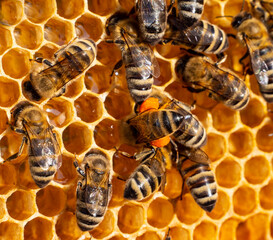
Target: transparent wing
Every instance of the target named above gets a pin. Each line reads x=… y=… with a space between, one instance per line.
x=143 y=57
x=45 y=147
x=259 y=66
x=195 y=155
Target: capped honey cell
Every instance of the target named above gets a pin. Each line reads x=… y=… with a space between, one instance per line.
x=28 y=35
x=11 y=12
x=16 y=62
x=264 y=138
x=253 y=114
x=106 y=133
x=228 y=173
x=244 y=200
x=66 y=227
x=5 y=39
x=38 y=229
x=38 y=11
x=187 y=210
x=70 y=9
x=88 y=26
x=59 y=111
x=77 y=138
x=88 y=107
x=130 y=217
x=265 y=195
x=97 y=79
x=223 y=118
x=205 y=230
x=215 y=147
x=58 y=31
x=160 y=213
x=106 y=227
x=21 y=205
x=50 y=200
x=11 y=230
x=102 y=7
x=257 y=169
x=241 y=142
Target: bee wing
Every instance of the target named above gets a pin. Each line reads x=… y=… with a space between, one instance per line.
x=268 y=6
x=259 y=67
x=45 y=145
x=196 y=155
x=148 y=6
x=147 y=62
x=96 y=195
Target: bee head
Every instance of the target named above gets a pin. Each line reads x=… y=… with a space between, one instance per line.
x=17 y=110
x=240 y=18
x=113 y=20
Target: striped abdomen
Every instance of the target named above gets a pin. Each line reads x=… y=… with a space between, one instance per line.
x=139 y=71
x=90 y=214
x=234 y=92
x=155 y=124
x=201 y=183
x=142 y=183
x=191 y=133
x=190 y=11
x=42 y=162
x=265 y=73
x=152 y=18
x=202 y=37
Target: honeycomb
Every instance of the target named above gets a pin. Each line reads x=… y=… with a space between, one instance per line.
x=89 y=115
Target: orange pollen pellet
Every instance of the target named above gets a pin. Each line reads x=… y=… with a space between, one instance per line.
x=150 y=103
x=161 y=142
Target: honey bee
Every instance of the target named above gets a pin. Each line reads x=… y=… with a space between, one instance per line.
x=152 y=19
x=94 y=189
x=44 y=149
x=200 y=73
x=50 y=78
x=194 y=167
x=148 y=176
x=140 y=63
x=190 y=11
x=201 y=37
x=253 y=33
x=171 y=119
x=263 y=10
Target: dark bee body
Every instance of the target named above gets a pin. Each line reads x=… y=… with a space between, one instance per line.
x=194 y=167
x=148 y=176
x=137 y=56
x=190 y=11
x=94 y=190
x=201 y=37
x=70 y=62
x=263 y=10
x=200 y=73
x=253 y=34
x=43 y=147
x=155 y=124
x=191 y=133
x=152 y=18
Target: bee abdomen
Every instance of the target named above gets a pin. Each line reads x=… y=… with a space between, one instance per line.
x=190 y=11
x=141 y=184
x=41 y=176
x=191 y=134
x=202 y=185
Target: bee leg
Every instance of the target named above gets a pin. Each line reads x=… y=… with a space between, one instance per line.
x=60 y=92
x=16 y=155
x=120 y=178
x=44 y=61
x=176 y=150
x=193 y=52
x=221 y=58
x=231 y=35
x=116 y=67
x=170 y=7
x=18 y=130
x=79 y=170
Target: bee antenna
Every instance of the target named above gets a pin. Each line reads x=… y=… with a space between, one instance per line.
x=243 y=6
